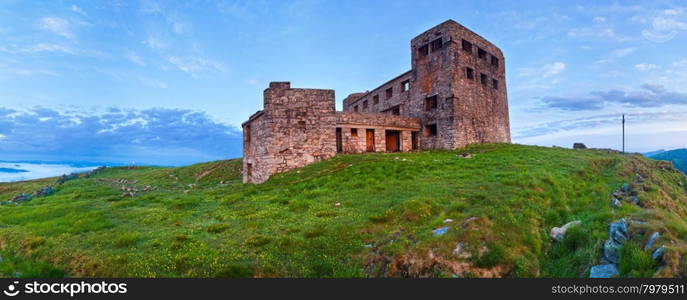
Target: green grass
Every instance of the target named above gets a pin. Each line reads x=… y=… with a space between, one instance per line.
x=201 y=221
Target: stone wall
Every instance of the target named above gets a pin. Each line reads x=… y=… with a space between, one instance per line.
x=354 y=127
x=295 y=129
x=466 y=111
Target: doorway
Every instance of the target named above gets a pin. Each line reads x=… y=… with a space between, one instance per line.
x=413 y=138
x=339 y=142
x=370 y=140
x=393 y=140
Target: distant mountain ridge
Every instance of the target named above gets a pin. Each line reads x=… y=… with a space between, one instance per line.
x=678 y=157
x=652 y=153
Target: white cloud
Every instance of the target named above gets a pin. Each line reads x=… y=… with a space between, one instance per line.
x=78 y=10
x=58 y=26
x=599 y=19
x=674 y=12
x=41 y=47
x=645 y=67
x=152 y=83
x=552 y=69
x=545 y=71
x=623 y=52
x=150 y=7
x=598 y=31
x=196 y=66
x=134 y=58
x=155 y=43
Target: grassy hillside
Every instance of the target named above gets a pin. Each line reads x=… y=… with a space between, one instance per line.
x=677 y=156
x=200 y=221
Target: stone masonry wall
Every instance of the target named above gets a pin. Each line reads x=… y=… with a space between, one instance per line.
x=379 y=123
x=467 y=111
x=296 y=128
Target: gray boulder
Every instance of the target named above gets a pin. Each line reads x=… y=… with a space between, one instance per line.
x=617 y=231
x=625 y=187
x=634 y=200
x=652 y=239
x=615 y=202
x=603 y=271
x=558 y=233
x=64 y=178
x=21 y=198
x=45 y=191
x=657 y=255
x=611 y=251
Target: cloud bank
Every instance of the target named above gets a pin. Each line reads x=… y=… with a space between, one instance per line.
x=650 y=95
x=152 y=136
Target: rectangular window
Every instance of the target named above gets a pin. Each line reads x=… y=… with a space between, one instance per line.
x=247 y=134
x=389 y=92
x=354 y=132
x=495 y=84
x=375 y=99
x=436 y=44
x=396 y=111
x=494 y=61
x=467 y=46
x=481 y=53
x=470 y=73
x=423 y=51
x=405 y=86
x=431 y=103
x=355 y=108
x=431 y=130
x=365 y=105
x=483 y=78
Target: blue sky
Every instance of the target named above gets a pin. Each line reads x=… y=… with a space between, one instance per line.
x=168 y=82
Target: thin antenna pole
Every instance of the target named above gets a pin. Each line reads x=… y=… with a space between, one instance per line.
x=623 y=133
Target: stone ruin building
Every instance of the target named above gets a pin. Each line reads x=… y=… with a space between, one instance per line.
x=453 y=95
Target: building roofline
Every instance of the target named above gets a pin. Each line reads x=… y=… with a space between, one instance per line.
x=380 y=86
x=453 y=22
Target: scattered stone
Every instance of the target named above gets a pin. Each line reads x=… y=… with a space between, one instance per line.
x=64 y=178
x=465 y=155
x=617 y=231
x=634 y=200
x=337 y=204
x=603 y=271
x=94 y=172
x=652 y=239
x=440 y=231
x=657 y=255
x=45 y=191
x=367 y=246
x=467 y=222
x=558 y=233
x=459 y=248
x=615 y=202
x=448 y=221
x=611 y=252
x=579 y=146
x=625 y=187
x=21 y=198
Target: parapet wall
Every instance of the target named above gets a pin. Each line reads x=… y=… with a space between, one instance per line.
x=376 y=120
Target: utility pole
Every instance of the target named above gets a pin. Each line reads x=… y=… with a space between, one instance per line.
x=623 y=133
